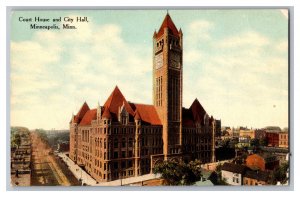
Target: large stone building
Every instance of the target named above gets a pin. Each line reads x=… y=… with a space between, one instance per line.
x=123 y=139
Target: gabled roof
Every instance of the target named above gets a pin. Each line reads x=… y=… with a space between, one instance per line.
x=235 y=168
x=88 y=117
x=84 y=108
x=147 y=113
x=116 y=100
x=169 y=24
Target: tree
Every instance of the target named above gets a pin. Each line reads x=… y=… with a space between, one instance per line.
x=179 y=173
x=254 y=142
x=218 y=174
x=263 y=141
x=280 y=174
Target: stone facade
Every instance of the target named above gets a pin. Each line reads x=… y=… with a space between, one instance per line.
x=122 y=139
x=284 y=139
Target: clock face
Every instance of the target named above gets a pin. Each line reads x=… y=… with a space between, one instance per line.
x=159 y=61
x=174 y=60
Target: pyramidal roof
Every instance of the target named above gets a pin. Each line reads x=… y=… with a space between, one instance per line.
x=197 y=110
x=81 y=112
x=115 y=100
x=169 y=24
x=106 y=113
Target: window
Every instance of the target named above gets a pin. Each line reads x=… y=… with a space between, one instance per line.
x=129 y=163
x=123 y=164
x=116 y=165
x=123 y=142
x=123 y=154
x=116 y=155
x=130 y=153
x=115 y=143
x=130 y=142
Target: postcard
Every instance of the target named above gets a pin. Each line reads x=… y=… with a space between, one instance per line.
x=178 y=97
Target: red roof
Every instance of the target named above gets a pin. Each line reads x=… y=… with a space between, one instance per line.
x=137 y=115
x=169 y=24
x=106 y=113
x=116 y=100
x=81 y=112
x=147 y=113
x=197 y=110
x=88 y=117
x=194 y=114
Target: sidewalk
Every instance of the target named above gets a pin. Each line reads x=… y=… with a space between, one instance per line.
x=77 y=171
x=87 y=179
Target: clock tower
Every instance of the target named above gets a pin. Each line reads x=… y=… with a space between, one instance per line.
x=167 y=84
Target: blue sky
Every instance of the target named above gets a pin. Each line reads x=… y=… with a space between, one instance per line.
x=235 y=62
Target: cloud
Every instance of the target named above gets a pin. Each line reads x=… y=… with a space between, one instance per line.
x=55 y=72
x=239 y=78
x=236 y=78
x=249 y=39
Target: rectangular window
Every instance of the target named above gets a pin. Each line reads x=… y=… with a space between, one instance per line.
x=116 y=155
x=116 y=165
x=123 y=164
x=123 y=154
x=123 y=142
x=129 y=163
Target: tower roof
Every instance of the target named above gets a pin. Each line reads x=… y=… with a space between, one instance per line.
x=169 y=24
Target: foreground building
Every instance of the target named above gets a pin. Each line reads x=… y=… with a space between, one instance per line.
x=123 y=139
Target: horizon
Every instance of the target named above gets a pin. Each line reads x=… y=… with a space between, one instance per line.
x=239 y=58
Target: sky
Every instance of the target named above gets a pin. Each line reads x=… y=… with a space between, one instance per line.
x=234 y=61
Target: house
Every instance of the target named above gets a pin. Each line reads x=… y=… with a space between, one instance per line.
x=233 y=173
x=256 y=177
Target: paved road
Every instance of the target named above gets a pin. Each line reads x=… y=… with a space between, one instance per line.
x=46 y=171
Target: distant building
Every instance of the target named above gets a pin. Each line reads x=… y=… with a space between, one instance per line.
x=63 y=146
x=272 y=138
x=247 y=133
x=262 y=162
x=259 y=134
x=284 y=139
